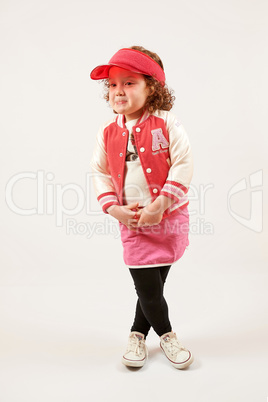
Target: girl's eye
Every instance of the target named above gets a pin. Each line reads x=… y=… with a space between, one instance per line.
x=111 y=85
x=128 y=83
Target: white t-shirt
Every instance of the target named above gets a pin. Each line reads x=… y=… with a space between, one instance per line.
x=135 y=184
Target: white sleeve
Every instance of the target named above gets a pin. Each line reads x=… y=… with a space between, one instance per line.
x=181 y=161
x=102 y=179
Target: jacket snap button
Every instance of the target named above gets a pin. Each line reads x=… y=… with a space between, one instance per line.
x=119 y=175
x=138 y=130
x=124 y=133
x=148 y=170
x=142 y=149
x=155 y=190
x=120 y=154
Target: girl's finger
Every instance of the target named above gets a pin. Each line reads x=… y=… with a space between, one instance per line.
x=132 y=206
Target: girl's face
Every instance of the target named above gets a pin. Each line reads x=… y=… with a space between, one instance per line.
x=127 y=92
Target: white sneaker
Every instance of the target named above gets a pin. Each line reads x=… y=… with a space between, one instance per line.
x=137 y=352
x=178 y=355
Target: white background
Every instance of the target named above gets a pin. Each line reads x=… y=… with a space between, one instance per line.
x=67 y=299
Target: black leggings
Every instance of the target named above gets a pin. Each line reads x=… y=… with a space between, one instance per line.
x=151 y=308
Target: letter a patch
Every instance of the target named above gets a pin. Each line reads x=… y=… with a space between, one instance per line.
x=159 y=139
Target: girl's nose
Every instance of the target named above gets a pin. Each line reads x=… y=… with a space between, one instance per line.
x=119 y=91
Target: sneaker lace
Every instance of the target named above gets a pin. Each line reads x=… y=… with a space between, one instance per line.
x=174 y=346
x=135 y=345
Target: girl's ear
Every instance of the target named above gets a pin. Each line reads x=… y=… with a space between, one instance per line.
x=152 y=90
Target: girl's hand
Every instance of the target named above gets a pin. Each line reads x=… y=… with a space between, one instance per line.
x=125 y=214
x=150 y=215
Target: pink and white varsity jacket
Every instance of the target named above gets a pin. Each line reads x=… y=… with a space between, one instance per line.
x=165 y=155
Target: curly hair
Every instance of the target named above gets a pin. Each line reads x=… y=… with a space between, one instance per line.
x=161 y=97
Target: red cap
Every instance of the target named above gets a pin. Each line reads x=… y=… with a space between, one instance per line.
x=132 y=60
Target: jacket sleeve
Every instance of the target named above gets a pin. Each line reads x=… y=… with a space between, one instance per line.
x=102 y=179
x=181 y=162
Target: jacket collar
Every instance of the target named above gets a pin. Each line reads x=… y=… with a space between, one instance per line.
x=121 y=119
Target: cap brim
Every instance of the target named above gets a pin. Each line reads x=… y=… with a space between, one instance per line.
x=100 y=72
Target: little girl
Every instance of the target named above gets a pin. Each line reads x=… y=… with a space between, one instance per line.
x=143 y=168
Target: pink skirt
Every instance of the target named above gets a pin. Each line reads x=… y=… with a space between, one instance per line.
x=157 y=245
